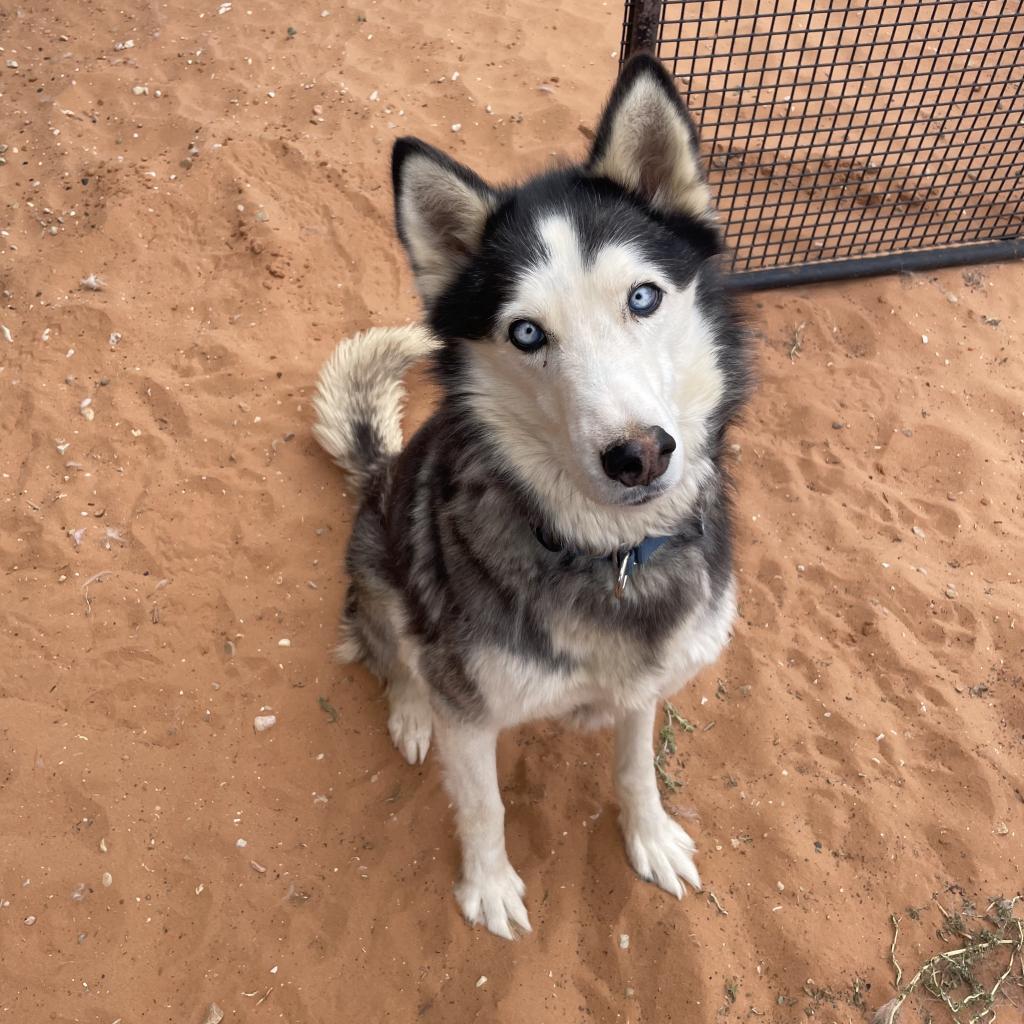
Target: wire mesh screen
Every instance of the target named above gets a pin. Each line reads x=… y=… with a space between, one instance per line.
x=839 y=130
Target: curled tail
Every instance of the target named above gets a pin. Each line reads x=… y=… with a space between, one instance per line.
x=359 y=396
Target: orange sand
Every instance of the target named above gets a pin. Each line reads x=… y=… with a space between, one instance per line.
x=858 y=750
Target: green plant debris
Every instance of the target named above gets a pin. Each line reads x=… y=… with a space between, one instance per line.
x=857 y=990
x=797 y=345
x=967 y=980
x=329 y=708
x=713 y=899
x=667 y=745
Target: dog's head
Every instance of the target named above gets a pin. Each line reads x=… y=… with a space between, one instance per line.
x=572 y=308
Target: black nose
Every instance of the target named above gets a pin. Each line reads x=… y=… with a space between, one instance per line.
x=640 y=460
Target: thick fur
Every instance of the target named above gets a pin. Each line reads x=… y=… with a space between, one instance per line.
x=474 y=624
x=359 y=396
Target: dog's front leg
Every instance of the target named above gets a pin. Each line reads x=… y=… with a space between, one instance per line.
x=658 y=848
x=490 y=892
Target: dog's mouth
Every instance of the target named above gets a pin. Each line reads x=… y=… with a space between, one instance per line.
x=642 y=495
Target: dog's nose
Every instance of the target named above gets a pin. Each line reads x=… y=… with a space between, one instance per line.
x=639 y=461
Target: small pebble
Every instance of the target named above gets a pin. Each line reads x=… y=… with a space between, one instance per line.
x=917 y=531
x=30 y=920
x=103 y=846
x=623 y=942
x=481 y=981
x=107 y=879
x=258 y=868
x=140 y=90
x=780 y=887
x=6 y=331
x=91 y=283
x=241 y=843
x=456 y=127
x=950 y=591
x=214 y=1014
x=284 y=643
x=261 y=723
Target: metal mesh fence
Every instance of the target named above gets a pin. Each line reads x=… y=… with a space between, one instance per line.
x=838 y=132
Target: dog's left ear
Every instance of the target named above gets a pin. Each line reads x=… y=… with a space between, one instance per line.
x=647 y=143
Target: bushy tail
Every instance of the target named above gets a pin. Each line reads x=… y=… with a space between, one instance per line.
x=359 y=396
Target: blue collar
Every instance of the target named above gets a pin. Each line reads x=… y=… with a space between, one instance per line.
x=625 y=560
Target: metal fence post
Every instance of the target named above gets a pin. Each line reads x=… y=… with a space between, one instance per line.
x=644 y=17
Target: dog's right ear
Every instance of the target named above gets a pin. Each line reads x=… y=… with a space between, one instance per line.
x=441 y=208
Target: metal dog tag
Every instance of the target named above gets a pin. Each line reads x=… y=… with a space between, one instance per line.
x=623 y=577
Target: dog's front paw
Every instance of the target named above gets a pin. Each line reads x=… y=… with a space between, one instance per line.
x=495 y=900
x=660 y=851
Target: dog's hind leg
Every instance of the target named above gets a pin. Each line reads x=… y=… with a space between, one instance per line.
x=410 y=717
x=377 y=622
x=490 y=892
x=657 y=847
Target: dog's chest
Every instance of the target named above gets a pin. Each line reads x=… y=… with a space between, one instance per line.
x=610 y=669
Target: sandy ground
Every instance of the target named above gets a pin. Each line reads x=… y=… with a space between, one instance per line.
x=857 y=751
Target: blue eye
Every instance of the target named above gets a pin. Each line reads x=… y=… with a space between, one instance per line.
x=526 y=335
x=644 y=299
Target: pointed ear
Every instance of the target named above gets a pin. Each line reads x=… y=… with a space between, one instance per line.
x=441 y=208
x=647 y=143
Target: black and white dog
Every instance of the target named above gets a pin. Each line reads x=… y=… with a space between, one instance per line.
x=555 y=540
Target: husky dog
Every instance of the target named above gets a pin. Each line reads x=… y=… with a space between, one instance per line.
x=555 y=540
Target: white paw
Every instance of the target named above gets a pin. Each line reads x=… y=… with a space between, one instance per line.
x=494 y=900
x=410 y=724
x=661 y=852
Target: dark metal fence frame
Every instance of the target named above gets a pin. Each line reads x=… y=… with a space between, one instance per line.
x=644 y=30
